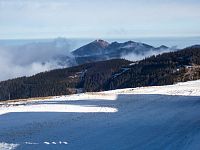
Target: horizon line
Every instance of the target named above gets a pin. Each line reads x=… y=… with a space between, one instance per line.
x=109 y=38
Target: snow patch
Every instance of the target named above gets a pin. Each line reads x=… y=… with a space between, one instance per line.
x=123 y=70
x=7 y=146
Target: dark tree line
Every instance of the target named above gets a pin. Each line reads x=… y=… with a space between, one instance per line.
x=88 y=77
x=167 y=68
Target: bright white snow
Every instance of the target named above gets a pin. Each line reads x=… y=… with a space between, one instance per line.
x=153 y=118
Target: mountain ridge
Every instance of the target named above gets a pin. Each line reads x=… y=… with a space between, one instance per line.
x=100 y=50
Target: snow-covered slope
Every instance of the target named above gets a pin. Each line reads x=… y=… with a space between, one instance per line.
x=153 y=118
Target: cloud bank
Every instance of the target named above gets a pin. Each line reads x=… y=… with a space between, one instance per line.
x=29 y=59
x=137 y=57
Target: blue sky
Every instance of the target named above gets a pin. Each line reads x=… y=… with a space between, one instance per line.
x=98 y=19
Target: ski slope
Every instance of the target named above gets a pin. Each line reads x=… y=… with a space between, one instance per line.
x=147 y=118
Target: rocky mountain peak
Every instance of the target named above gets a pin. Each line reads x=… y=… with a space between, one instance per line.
x=101 y=42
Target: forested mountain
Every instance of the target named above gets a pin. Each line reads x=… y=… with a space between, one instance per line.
x=62 y=81
x=167 y=68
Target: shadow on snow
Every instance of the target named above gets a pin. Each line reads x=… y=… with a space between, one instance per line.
x=141 y=122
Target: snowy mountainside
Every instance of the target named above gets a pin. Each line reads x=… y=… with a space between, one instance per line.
x=190 y=88
x=159 y=117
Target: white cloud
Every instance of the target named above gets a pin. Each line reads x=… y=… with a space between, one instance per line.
x=137 y=57
x=26 y=60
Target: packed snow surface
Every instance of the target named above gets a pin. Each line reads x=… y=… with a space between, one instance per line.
x=147 y=118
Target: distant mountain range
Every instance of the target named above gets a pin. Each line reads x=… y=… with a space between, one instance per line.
x=167 y=68
x=99 y=50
